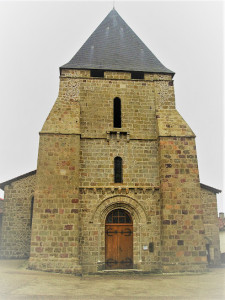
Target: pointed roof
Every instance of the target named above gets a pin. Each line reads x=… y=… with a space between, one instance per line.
x=114 y=46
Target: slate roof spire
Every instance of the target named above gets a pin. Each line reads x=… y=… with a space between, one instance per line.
x=114 y=46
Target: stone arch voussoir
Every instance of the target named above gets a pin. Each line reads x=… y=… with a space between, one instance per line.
x=119 y=201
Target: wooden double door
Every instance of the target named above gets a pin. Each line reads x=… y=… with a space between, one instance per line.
x=119 y=240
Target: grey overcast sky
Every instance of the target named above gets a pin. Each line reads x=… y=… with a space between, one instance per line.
x=38 y=37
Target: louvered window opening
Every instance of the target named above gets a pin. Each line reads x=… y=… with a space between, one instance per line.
x=97 y=73
x=137 y=75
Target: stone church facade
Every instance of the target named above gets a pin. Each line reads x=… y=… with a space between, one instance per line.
x=117 y=182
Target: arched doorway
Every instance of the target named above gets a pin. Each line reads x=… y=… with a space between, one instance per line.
x=118 y=240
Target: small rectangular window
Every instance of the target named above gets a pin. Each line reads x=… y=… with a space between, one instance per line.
x=137 y=75
x=97 y=73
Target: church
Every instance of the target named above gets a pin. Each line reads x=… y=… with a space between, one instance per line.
x=117 y=180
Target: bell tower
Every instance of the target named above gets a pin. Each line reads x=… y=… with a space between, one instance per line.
x=115 y=144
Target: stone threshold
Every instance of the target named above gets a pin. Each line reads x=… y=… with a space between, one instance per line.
x=154 y=273
x=122 y=272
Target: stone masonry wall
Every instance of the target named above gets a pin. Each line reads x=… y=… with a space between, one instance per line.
x=137 y=106
x=211 y=224
x=55 y=230
x=140 y=165
x=144 y=207
x=183 y=244
x=16 y=221
x=1 y=214
x=96 y=101
x=1 y=205
x=182 y=232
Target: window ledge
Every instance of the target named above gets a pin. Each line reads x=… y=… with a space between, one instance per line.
x=119 y=133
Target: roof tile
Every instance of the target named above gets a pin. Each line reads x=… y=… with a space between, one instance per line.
x=114 y=46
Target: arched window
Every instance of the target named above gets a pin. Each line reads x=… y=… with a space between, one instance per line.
x=31 y=210
x=117 y=113
x=118 y=216
x=118 y=174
